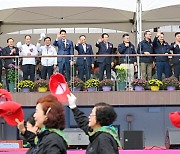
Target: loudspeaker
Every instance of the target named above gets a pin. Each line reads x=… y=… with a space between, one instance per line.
x=133 y=140
x=172 y=140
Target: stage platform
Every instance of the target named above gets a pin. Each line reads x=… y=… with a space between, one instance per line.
x=23 y=151
x=114 y=98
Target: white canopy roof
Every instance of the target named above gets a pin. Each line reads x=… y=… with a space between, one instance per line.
x=113 y=14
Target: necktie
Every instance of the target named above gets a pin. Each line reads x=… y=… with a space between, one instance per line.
x=64 y=42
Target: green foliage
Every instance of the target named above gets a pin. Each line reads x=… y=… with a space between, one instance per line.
x=121 y=72
x=12 y=74
x=1 y=85
x=91 y=83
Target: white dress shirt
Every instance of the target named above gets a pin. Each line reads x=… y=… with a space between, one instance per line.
x=84 y=47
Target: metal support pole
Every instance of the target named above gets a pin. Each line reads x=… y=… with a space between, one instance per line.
x=139 y=28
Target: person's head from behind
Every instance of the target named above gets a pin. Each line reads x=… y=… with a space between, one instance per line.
x=63 y=34
x=147 y=35
x=102 y=114
x=126 y=38
x=177 y=36
x=30 y=124
x=49 y=113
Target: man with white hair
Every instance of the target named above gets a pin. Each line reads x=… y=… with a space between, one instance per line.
x=28 y=64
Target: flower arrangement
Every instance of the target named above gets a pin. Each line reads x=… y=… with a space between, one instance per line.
x=26 y=84
x=91 y=83
x=41 y=83
x=172 y=81
x=155 y=82
x=1 y=85
x=76 y=82
x=121 y=72
x=139 y=82
x=107 y=82
x=12 y=73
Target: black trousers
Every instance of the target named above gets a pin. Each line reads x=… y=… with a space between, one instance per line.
x=102 y=68
x=46 y=70
x=28 y=69
x=84 y=70
x=65 y=66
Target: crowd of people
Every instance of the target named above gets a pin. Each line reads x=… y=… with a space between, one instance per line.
x=86 y=63
x=43 y=131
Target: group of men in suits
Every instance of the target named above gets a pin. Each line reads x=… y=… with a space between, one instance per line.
x=86 y=62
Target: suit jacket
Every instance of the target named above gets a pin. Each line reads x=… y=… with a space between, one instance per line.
x=102 y=49
x=64 y=50
x=176 y=50
x=127 y=50
x=89 y=51
x=6 y=52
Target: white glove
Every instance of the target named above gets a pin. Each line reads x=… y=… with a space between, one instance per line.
x=71 y=100
x=42 y=35
x=19 y=45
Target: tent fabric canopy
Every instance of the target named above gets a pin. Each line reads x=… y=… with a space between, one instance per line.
x=120 y=15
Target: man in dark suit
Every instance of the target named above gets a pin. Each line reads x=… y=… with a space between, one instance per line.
x=105 y=63
x=84 y=63
x=175 y=47
x=65 y=47
x=10 y=50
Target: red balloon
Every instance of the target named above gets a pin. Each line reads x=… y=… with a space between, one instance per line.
x=175 y=118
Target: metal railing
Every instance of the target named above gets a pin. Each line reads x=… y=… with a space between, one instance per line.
x=73 y=69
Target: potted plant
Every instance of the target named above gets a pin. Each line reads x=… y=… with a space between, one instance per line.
x=91 y=84
x=1 y=85
x=41 y=85
x=12 y=76
x=170 y=83
x=26 y=85
x=121 y=72
x=139 y=84
x=155 y=84
x=76 y=84
x=106 y=84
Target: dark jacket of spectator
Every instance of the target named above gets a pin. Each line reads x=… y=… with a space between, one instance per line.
x=145 y=46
